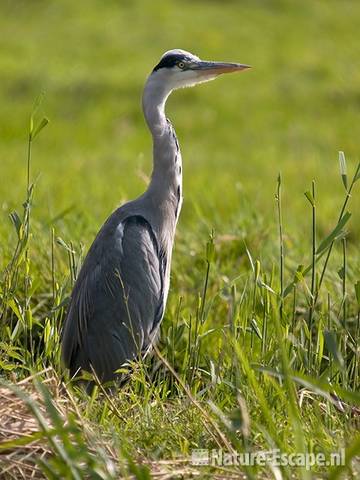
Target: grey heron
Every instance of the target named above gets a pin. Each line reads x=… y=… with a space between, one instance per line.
x=119 y=297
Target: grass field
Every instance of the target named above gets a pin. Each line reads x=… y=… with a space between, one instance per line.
x=256 y=353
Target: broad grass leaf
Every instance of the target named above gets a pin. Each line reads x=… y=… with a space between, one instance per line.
x=325 y=244
x=331 y=343
x=15 y=220
x=343 y=170
x=40 y=126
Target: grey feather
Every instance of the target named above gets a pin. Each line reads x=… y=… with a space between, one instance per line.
x=117 y=301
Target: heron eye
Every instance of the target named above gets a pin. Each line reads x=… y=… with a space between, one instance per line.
x=181 y=64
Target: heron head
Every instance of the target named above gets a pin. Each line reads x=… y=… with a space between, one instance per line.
x=178 y=68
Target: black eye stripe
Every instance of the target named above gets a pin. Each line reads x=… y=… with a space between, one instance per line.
x=170 y=61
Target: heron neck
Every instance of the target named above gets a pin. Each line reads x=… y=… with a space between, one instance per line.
x=166 y=180
x=154 y=99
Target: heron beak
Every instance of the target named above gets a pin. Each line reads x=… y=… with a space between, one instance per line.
x=217 y=68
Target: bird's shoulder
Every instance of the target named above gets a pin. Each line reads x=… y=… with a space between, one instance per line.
x=126 y=242
x=109 y=240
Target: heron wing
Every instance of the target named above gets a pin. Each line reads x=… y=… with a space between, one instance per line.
x=117 y=302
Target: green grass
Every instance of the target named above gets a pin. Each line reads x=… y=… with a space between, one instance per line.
x=240 y=365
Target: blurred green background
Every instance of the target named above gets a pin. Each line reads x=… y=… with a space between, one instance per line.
x=292 y=112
